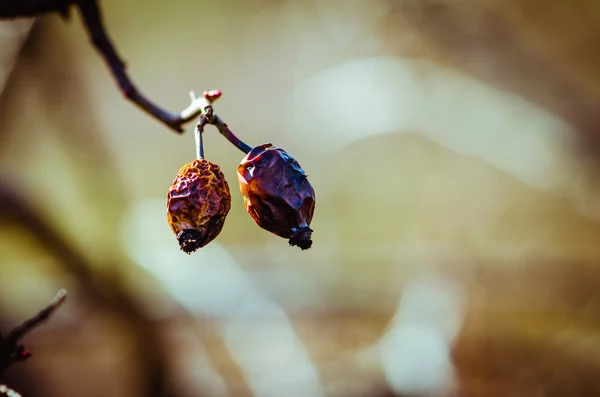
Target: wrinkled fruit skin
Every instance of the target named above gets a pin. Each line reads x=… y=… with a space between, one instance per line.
x=277 y=194
x=197 y=203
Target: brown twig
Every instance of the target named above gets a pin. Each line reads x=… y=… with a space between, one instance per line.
x=207 y=116
x=108 y=290
x=10 y=349
x=198 y=135
x=92 y=19
x=227 y=133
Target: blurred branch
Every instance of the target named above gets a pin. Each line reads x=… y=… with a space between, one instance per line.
x=10 y=349
x=92 y=18
x=107 y=291
x=514 y=60
x=5 y=391
x=32 y=8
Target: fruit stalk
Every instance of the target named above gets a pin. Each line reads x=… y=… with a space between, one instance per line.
x=229 y=135
x=198 y=136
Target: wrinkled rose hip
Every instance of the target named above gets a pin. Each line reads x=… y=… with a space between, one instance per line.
x=277 y=194
x=197 y=203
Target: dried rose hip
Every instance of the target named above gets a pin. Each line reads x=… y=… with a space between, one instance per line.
x=197 y=204
x=277 y=194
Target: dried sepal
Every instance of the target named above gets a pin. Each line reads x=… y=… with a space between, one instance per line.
x=198 y=202
x=277 y=194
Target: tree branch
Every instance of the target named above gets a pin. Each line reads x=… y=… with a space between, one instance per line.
x=93 y=22
x=108 y=290
x=92 y=17
x=10 y=349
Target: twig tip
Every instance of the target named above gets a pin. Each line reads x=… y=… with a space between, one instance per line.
x=60 y=297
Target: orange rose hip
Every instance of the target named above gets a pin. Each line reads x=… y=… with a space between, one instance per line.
x=198 y=202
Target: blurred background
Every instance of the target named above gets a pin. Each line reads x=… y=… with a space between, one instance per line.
x=453 y=146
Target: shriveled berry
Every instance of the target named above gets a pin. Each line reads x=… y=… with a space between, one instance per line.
x=197 y=203
x=277 y=194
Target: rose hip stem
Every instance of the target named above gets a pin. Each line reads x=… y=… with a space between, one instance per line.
x=227 y=133
x=198 y=135
x=204 y=103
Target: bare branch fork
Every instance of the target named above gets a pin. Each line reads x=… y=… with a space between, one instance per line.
x=207 y=116
x=92 y=18
x=10 y=349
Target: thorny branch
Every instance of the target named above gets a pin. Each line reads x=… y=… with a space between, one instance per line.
x=10 y=349
x=92 y=19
